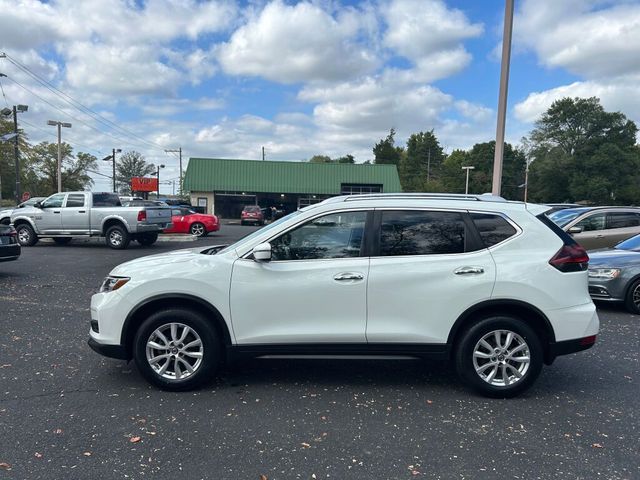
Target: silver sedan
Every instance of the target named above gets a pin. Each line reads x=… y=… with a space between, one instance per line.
x=614 y=274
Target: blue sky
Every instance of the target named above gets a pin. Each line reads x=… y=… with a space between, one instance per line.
x=223 y=78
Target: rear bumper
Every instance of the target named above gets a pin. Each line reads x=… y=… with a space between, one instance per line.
x=9 y=252
x=152 y=227
x=111 y=351
x=570 y=346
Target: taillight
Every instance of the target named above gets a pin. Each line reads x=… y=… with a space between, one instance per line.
x=142 y=215
x=570 y=258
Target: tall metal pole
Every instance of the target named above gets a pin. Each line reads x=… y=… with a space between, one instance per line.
x=502 y=97
x=180 y=185
x=59 y=157
x=16 y=154
x=526 y=182
x=158 y=176
x=114 y=170
x=466 y=187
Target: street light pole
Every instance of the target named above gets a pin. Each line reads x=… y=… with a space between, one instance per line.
x=16 y=152
x=502 y=97
x=59 y=125
x=158 y=175
x=179 y=151
x=466 y=186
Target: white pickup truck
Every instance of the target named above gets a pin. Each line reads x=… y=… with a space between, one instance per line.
x=63 y=216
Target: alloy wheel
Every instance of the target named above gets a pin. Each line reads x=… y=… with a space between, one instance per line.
x=197 y=229
x=501 y=358
x=24 y=236
x=636 y=296
x=174 y=351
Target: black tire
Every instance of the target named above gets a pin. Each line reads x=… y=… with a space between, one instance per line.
x=211 y=350
x=513 y=386
x=633 y=293
x=26 y=236
x=147 y=239
x=117 y=237
x=198 y=229
x=62 y=241
x=5 y=221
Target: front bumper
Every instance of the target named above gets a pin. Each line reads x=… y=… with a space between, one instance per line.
x=111 y=351
x=608 y=290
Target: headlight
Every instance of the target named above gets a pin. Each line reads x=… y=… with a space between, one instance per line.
x=113 y=283
x=604 y=273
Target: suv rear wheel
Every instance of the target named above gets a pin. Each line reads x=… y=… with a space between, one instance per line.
x=499 y=356
x=177 y=350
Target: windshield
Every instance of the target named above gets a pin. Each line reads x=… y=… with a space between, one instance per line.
x=563 y=217
x=632 y=243
x=252 y=209
x=260 y=231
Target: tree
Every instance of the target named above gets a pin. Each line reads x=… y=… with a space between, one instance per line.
x=583 y=153
x=385 y=151
x=40 y=170
x=320 y=159
x=7 y=159
x=421 y=165
x=348 y=158
x=128 y=165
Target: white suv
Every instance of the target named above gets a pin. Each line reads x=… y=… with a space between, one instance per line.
x=491 y=285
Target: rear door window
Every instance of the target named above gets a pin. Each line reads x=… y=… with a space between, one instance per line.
x=407 y=232
x=106 y=200
x=622 y=220
x=492 y=228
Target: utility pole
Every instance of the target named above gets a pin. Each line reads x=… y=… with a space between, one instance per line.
x=179 y=151
x=466 y=187
x=263 y=154
x=16 y=154
x=55 y=123
x=158 y=175
x=502 y=97
x=429 y=165
x=112 y=158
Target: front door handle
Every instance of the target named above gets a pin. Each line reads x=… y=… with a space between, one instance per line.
x=341 y=277
x=82 y=211
x=468 y=270
x=56 y=211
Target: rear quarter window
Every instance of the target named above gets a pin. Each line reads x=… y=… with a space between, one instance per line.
x=492 y=228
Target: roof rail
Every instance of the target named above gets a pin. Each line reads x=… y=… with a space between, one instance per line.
x=485 y=197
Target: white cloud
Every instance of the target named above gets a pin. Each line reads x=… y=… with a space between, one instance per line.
x=582 y=36
x=621 y=95
x=297 y=43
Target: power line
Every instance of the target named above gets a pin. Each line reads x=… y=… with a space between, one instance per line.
x=79 y=106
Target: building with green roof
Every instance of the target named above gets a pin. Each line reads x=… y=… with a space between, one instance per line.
x=225 y=186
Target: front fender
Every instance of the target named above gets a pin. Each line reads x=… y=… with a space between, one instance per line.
x=25 y=219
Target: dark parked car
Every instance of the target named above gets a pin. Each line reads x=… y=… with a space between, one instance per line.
x=9 y=246
x=252 y=214
x=614 y=274
x=599 y=227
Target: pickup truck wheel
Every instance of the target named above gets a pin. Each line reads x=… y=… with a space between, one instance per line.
x=198 y=230
x=147 y=239
x=500 y=356
x=117 y=237
x=177 y=349
x=62 y=241
x=26 y=236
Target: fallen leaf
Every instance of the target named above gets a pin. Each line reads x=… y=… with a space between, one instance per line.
x=429 y=402
x=597 y=445
x=38 y=455
x=57 y=431
x=305 y=445
x=87 y=454
x=134 y=439
x=263 y=477
x=6 y=466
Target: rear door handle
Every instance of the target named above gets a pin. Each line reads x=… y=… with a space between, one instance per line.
x=468 y=270
x=82 y=211
x=56 y=211
x=341 y=277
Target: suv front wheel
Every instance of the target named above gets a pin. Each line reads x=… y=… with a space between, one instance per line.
x=499 y=356
x=177 y=350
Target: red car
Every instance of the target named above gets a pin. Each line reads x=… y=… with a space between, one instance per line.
x=186 y=220
x=252 y=214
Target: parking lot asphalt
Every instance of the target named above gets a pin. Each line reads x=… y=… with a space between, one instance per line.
x=68 y=413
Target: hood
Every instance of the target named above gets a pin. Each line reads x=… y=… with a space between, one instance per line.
x=162 y=260
x=614 y=258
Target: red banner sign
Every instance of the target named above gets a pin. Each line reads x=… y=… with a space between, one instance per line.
x=144 y=184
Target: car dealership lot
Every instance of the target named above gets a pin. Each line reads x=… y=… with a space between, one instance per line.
x=66 y=412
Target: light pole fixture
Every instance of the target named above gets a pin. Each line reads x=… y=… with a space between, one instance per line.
x=112 y=158
x=55 y=123
x=158 y=175
x=16 y=153
x=466 y=185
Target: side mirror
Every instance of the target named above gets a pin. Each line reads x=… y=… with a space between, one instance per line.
x=37 y=205
x=575 y=230
x=262 y=252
